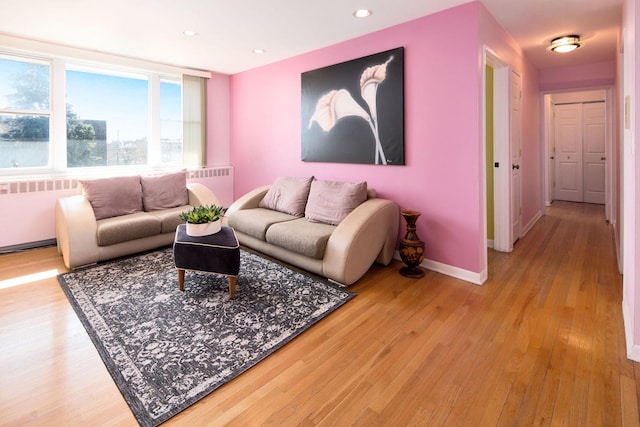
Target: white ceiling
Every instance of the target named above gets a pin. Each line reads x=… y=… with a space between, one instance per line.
x=228 y=31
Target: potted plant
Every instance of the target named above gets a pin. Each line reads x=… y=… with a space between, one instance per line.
x=203 y=220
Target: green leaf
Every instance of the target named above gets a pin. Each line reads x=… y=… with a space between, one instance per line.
x=203 y=214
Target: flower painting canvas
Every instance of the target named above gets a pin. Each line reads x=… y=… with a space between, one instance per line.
x=353 y=112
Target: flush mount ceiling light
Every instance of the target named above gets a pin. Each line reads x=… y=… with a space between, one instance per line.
x=189 y=33
x=259 y=51
x=362 y=13
x=565 y=44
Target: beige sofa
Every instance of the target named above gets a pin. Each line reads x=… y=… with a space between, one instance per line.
x=342 y=253
x=82 y=239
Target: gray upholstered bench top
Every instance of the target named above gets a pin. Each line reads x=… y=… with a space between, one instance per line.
x=217 y=253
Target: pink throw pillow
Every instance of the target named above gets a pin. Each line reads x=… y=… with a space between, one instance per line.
x=164 y=191
x=113 y=196
x=330 y=201
x=287 y=194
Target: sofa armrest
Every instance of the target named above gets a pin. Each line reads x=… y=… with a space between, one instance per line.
x=367 y=234
x=249 y=200
x=76 y=231
x=200 y=195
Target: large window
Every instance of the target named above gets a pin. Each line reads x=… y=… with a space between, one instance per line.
x=170 y=122
x=113 y=116
x=107 y=119
x=24 y=113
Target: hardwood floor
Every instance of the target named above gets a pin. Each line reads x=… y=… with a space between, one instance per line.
x=541 y=343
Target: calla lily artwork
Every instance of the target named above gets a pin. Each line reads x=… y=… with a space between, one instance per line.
x=353 y=112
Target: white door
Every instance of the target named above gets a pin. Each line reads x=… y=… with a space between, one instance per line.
x=580 y=135
x=516 y=201
x=594 y=152
x=501 y=155
x=568 y=142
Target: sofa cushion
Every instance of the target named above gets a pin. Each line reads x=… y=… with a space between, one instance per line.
x=301 y=236
x=287 y=194
x=255 y=222
x=111 y=197
x=170 y=218
x=124 y=228
x=331 y=201
x=164 y=191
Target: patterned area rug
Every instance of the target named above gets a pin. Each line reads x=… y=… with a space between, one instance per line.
x=166 y=349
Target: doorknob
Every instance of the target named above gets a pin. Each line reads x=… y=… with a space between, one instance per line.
x=515 y=166
x=603 y=158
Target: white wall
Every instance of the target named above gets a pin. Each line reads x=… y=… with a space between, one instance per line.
x=631 y=180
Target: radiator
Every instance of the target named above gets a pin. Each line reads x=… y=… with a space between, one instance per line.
x=57 y=184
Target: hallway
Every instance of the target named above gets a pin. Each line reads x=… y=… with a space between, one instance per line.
x=569 y=314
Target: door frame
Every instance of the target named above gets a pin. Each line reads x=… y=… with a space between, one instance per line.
x=611 y=159
x=501 y=151
x=610 y=166
x=515 y=193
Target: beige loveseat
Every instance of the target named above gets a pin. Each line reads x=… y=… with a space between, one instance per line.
x=121 y=216
x=337 y=242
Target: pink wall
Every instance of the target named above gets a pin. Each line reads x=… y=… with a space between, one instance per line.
x=632 y=227
x=442 y=129
x=583 y=76
x=532 y=152
x=631 y=181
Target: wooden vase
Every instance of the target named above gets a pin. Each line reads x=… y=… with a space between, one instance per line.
x=411 y=248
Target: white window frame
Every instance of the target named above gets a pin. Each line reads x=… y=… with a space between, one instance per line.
x=42 y=113
x=59 y=58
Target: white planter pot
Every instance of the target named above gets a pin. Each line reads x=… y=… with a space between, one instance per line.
x=204 y=229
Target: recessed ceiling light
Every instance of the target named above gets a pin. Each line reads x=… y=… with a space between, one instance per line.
x=362 y=13
x=189 y=33
x=259 y=51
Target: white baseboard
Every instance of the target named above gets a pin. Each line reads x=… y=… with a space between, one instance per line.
x=449 y=270
x=633 y=350
x=531 y=223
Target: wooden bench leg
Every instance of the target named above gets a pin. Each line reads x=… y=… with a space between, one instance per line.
x=181 y=279
x=232 y=286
